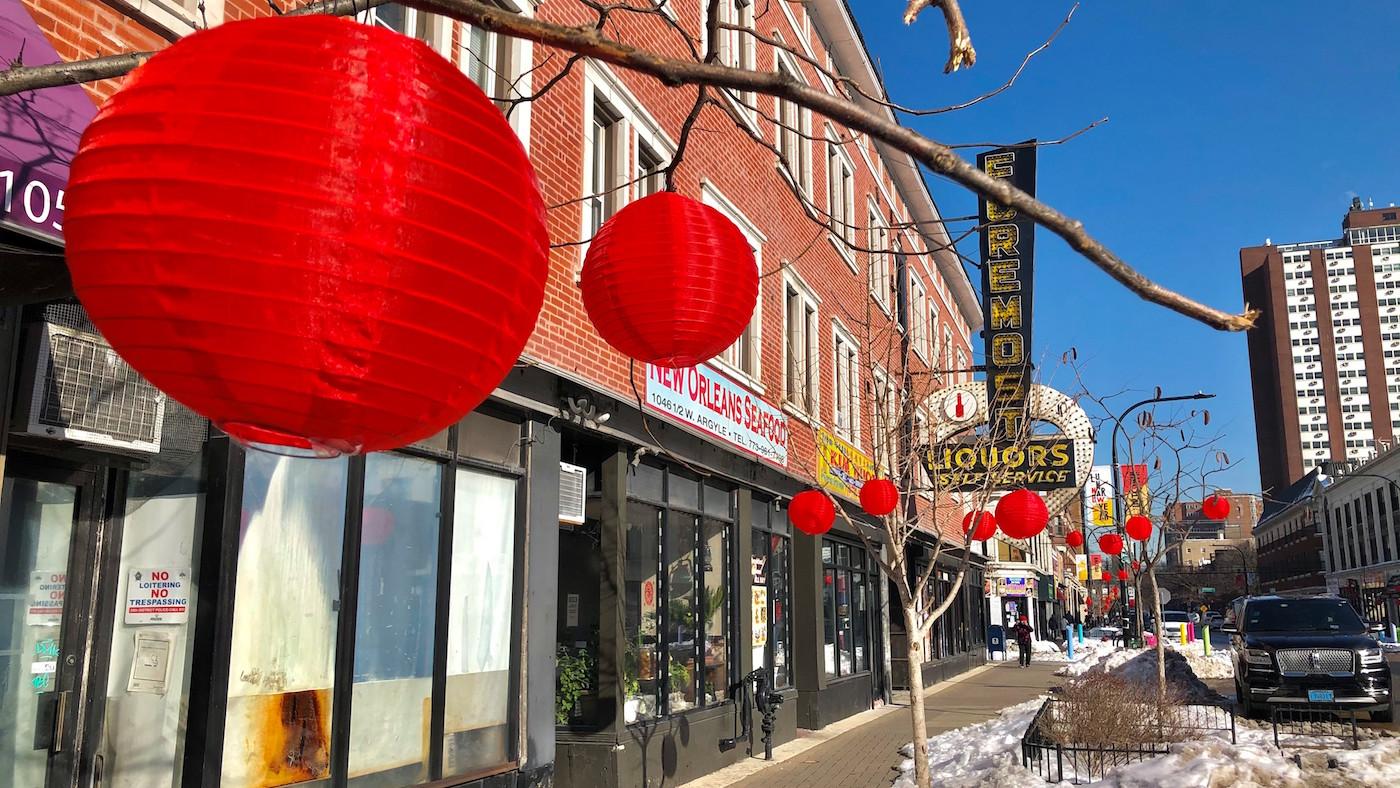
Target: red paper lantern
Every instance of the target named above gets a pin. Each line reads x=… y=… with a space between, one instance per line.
x=1138 y=527
x=1215 y=507
x=985 y=528
x=1137 y=565
x=1106 y=576
x=376 y=526
x=670 y=281
x=1122 y=574
x=319 y=234
x=1075 y=538
x=1021 y=514
x=1110 y=544
x=879 y=497
x=811 y=512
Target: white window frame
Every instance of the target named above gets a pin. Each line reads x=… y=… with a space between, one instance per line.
x=841 y=233
x=636 y=127
x=845 y=356
x=918 y=315
x=963 y=374
x=180 y=17
x=933 y=314
x=807 y=407
x=882 y=448
x=736 y=50
x=798 y=173
x=947 y=346
x=439 y=27
x=711 y=196
x=881 y=272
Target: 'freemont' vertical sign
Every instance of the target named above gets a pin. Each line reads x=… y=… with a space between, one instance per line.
x=1008 y=266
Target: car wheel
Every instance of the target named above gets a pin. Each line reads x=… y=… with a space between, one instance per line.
x=1384 y=716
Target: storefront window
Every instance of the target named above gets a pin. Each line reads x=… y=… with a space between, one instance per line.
x=641 y=660
x=282 y=664
x=682 y=630
x=476 y=727
x=715 y=553
x=847 y=584
x=771 y=636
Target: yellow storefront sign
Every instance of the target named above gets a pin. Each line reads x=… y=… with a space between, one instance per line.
x=841 y=467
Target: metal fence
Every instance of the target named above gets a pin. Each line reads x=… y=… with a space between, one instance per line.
x=1053 y=754
x=1312 y=721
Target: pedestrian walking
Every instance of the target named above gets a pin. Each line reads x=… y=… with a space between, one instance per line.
x=1023 y=631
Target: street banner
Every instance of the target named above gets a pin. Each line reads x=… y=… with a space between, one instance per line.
x=1081 y=566
x=841 y=467
x=1098 y=496
x=1137 y=499
x=1008 y=268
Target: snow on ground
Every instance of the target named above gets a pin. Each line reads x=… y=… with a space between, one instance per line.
x=1050 y=651
x=1218 y=664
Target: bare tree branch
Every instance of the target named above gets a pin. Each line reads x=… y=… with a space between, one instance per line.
x=960 y=51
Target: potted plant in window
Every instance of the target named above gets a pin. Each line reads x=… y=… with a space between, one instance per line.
x=631 y=683
x=573 y=678
x=680 y=682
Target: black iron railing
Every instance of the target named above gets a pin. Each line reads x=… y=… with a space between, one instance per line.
x=1051 y=752
x=1312 y=721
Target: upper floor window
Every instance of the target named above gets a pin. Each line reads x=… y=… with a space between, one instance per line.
x=947 y=346
x=878 y=242
x=884 y=428
x=489 y=60
x=800 y=345
x=431 y=29
x=606 y=152
x=793 y=135
x=933 y=331
x=963 y=372
x=918 y=306
x=743 y=356
x=841 y=194
x=736 y=47
x=651 y=171
x=846 y=387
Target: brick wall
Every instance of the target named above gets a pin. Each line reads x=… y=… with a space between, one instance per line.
x=719 y=154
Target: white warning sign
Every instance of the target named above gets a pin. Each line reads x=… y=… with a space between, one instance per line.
x=158 y=596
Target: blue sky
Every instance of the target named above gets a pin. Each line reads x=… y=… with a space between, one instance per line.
x=1228 y=123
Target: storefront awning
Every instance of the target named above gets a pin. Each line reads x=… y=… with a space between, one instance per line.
x=39 y=132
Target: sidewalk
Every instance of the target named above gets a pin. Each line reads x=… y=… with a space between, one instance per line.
x=864 y=750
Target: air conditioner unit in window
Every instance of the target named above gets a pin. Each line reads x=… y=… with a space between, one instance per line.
x=572 y=488
x=80 y=390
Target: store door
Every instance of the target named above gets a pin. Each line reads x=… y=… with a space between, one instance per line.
x=51 y=543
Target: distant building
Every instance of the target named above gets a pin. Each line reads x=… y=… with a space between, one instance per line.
x=1196 y=553
x=1289 y=543
x=1189 y=522
x=1323 y=353
x=1361 y=535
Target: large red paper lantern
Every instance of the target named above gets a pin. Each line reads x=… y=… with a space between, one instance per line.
x=879 y=497
x=319 y=234
x=1110 y=544
x=811 y=512
x=670 y=281
x=1106 y=576
x=985 y=528
x=1021 y=514
x=1137 y=565
x=1215 y=507
x=1075 y=538
x=1138 y=527
x=1122 y=574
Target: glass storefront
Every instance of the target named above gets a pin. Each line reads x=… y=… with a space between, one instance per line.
x=772 y=583
x=848 y=584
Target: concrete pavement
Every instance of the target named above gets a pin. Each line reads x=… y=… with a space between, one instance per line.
x=865 y=751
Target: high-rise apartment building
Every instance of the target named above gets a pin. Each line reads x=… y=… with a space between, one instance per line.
x=1325 y=354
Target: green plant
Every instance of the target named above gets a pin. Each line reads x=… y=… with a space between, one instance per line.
x=574 y=678
x=631 y=669
x=680 y=676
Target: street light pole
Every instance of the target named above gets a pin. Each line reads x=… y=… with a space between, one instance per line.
x=1117 y=481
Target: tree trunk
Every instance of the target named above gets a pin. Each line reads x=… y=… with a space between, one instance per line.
x=916 y=695
x=1161 y=636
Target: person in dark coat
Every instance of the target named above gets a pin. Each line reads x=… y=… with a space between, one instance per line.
x=1023 y=631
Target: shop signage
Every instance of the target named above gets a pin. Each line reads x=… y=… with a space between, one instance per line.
x=157 y=596
x=1081 y=566
x=841 y=467
x=707 y=400
x=759 y=567
x=760 y=616
x=46 y=590
x=1042 y=464
x=1016 y=586
x=1008 y=267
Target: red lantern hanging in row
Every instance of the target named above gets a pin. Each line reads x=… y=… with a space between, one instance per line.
x=1075 y=538
x=1021 y=514
x=1106 y=576
x=1122 y=574
x=1216 y=507
x=879 y=497
x=1110 y=544
x=811 y=512
x=1137 y=565
x=669 y=281
x=985 y=528
x=1138 y=527
x=331 y=241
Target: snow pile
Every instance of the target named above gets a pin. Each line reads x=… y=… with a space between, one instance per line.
x=1218 y=664
x=1050 y=651
x=988 y=753
x=1140 y=665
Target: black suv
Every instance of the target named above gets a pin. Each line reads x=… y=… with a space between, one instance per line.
x=1307 y=650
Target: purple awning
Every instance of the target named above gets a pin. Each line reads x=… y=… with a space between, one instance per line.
x=39 y=132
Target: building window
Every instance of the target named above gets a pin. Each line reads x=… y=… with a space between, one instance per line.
x=489 y=60
x=846 y=387
x=772 y=573
x=605 y=154
x=847 y=601
x=881 y=285
x=736 y=46
x=431 y=29
x=677 y=610
x=802 y=362
x=885 y=428
x=744 y=356
x=918 y=309
x=947 y=346
x=651 y=171
x=840 y=195
x=962 y=366
x=793 y=135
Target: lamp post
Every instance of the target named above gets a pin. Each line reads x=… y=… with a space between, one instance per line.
x=1117 y=481
x=1250 y=587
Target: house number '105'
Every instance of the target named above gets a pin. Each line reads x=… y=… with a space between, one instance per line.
x=38 y=202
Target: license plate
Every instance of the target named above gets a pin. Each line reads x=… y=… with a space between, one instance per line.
x=1320 y=696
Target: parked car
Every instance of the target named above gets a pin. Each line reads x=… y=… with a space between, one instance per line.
x=1214 y=620
x=1173 y=621
x=1309 y=651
